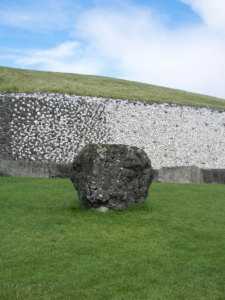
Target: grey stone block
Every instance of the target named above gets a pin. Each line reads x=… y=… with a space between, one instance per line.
x=60 y=170
x=191 y=174
x=22 y=168
x=179 y=175
x=213 y=176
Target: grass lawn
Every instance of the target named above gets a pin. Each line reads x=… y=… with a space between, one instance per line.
x=27 y=81
x=172 y=247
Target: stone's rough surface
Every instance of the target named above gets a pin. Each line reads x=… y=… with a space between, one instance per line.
x=113 y=176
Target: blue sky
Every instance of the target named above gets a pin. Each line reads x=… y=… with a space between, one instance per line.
x=173 y=43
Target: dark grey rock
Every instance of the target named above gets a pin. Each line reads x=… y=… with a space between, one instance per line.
x=113 y=176
x=213 y=176
x=5 y=130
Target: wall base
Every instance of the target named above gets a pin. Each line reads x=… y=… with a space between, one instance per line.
x=21 y=168
x=192 y=174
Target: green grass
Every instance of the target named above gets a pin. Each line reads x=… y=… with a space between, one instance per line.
x=172 y=247
x=17 y=80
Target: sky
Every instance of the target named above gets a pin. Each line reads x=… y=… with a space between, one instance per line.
x=173 y=43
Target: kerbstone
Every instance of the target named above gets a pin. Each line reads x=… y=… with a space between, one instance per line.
x=113 y=176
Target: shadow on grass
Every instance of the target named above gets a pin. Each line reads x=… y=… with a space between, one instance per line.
x=77 y=206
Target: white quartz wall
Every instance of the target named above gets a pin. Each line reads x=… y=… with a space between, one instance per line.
x=53 y=127
x=171 y=135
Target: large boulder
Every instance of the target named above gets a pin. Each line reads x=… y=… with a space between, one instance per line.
x=114 y=176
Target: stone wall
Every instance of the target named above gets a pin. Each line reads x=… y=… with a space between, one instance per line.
x=48 y=127
x=23 y=168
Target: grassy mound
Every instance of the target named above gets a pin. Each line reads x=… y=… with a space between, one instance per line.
x=172 y=247
x=17 y=80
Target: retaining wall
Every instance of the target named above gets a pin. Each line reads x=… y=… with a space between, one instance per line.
x=22 y=168
x=48 y=127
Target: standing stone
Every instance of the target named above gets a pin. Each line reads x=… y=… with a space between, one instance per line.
x=114 y=176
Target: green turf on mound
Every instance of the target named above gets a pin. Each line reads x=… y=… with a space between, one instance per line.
x=17 y=80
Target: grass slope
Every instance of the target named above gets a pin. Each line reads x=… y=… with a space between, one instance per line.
x=172 y=247
x=17 y=80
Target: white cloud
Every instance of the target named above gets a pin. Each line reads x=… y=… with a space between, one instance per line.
x=71 y=57
x=82 y=66
x=211 y=11
x=62 y=51
x=144 y=50
x=39 y=15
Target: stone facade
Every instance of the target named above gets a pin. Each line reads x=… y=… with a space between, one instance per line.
x=55 y=127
